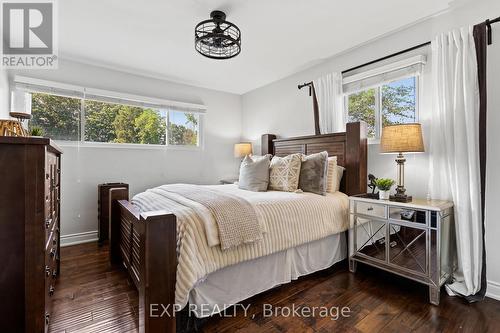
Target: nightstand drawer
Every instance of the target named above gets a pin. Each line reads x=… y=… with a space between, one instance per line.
x=371 y=209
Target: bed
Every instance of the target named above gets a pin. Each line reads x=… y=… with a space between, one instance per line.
x=156 y=239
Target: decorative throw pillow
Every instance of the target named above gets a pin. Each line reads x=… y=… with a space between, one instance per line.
x=284 y=174
x=254 y=175
x=331 y=175
x=340 y=174
x=334 y=175
x=256 y=158
x=313 y=172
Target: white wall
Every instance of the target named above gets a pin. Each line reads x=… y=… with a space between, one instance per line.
x=4 y=95
x=83 y=168
x=282 y=109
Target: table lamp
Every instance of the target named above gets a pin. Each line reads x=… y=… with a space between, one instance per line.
x=399 y=139
x=242 y=149
x=20 y=108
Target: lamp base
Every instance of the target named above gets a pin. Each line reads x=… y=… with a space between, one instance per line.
x=401 y=198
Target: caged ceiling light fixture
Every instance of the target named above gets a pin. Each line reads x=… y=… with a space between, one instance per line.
x=217 y=38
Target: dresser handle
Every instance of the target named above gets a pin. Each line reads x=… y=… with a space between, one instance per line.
x=51 y=290
x=47 y=318
x=369 y=208
x=47 y=270
x=54 y=273
x=47 y=223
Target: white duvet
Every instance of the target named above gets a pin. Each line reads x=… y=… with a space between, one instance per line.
x=287 y=220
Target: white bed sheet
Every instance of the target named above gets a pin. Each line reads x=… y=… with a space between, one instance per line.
x=238 y=282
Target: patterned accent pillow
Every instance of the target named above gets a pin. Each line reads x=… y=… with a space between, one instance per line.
x=285 y=172
x=313 y=172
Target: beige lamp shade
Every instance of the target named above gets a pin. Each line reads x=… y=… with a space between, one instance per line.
x=242 y=149
x=402 y=138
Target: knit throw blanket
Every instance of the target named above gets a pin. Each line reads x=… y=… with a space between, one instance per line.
x=236 y=218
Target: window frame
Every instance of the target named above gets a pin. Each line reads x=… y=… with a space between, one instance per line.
x=51 y=88
x=378 y=104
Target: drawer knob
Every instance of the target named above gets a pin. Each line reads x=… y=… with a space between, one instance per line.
x=53 y=252
x=47 y=223
x=54 y=273
x=51 y=290
x=369 y=208
x=47 y=318
x=47 y=270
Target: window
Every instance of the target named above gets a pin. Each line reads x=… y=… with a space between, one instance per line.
x=183 y=128
x=387 y=104
x=121 y=123
x=58 y=116
x=384 y=96
x=92 y=118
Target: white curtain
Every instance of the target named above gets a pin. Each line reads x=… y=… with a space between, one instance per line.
x=330 y=102
x=454 y=149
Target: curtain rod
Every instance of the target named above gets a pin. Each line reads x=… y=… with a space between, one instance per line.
x=488 y=23
x=387 y=57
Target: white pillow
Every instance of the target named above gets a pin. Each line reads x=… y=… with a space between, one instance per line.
x=257 y=158
x=254 y=175
x=334 y=175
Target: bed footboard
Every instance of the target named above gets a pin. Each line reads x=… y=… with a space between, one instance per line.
x=146 y=244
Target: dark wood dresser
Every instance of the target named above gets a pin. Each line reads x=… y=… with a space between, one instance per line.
x=30 y=173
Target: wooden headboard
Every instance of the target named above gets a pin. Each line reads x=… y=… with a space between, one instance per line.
x=350 y=147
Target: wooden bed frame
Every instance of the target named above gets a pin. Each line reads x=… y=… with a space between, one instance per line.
x=146 y=243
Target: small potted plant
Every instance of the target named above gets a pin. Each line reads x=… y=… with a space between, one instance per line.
x=36 y=131
x=384 y=186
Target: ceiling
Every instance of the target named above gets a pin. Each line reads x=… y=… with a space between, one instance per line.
x=279 y=37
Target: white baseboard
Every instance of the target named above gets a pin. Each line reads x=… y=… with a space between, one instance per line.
x=493 y=290
x=79 y=238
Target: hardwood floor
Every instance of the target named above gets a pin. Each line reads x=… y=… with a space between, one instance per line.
x=92 y=296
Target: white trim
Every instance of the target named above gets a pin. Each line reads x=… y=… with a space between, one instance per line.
x=419 y=59
x=493 y=290
x=109 y=94
x=112 y=145
x=79 y=238
x=46 y=83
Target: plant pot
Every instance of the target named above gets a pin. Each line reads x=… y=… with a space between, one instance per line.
x=383 y=195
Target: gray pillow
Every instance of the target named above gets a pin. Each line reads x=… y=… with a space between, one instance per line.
x=254 y=174
x=313 y=173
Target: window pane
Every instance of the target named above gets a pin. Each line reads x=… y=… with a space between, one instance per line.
x=58 y=116
x=399 y=102
x=183 y=128
x=361 y=106
x=108 y=122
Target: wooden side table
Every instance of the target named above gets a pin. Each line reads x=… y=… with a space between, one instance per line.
x=415 y=240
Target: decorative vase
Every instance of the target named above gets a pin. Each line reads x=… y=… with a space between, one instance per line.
x=383 y=195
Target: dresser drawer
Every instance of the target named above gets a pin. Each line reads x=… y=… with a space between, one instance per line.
x=371 y=209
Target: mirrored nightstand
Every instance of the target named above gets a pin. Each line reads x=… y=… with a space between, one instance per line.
x=414 y=239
